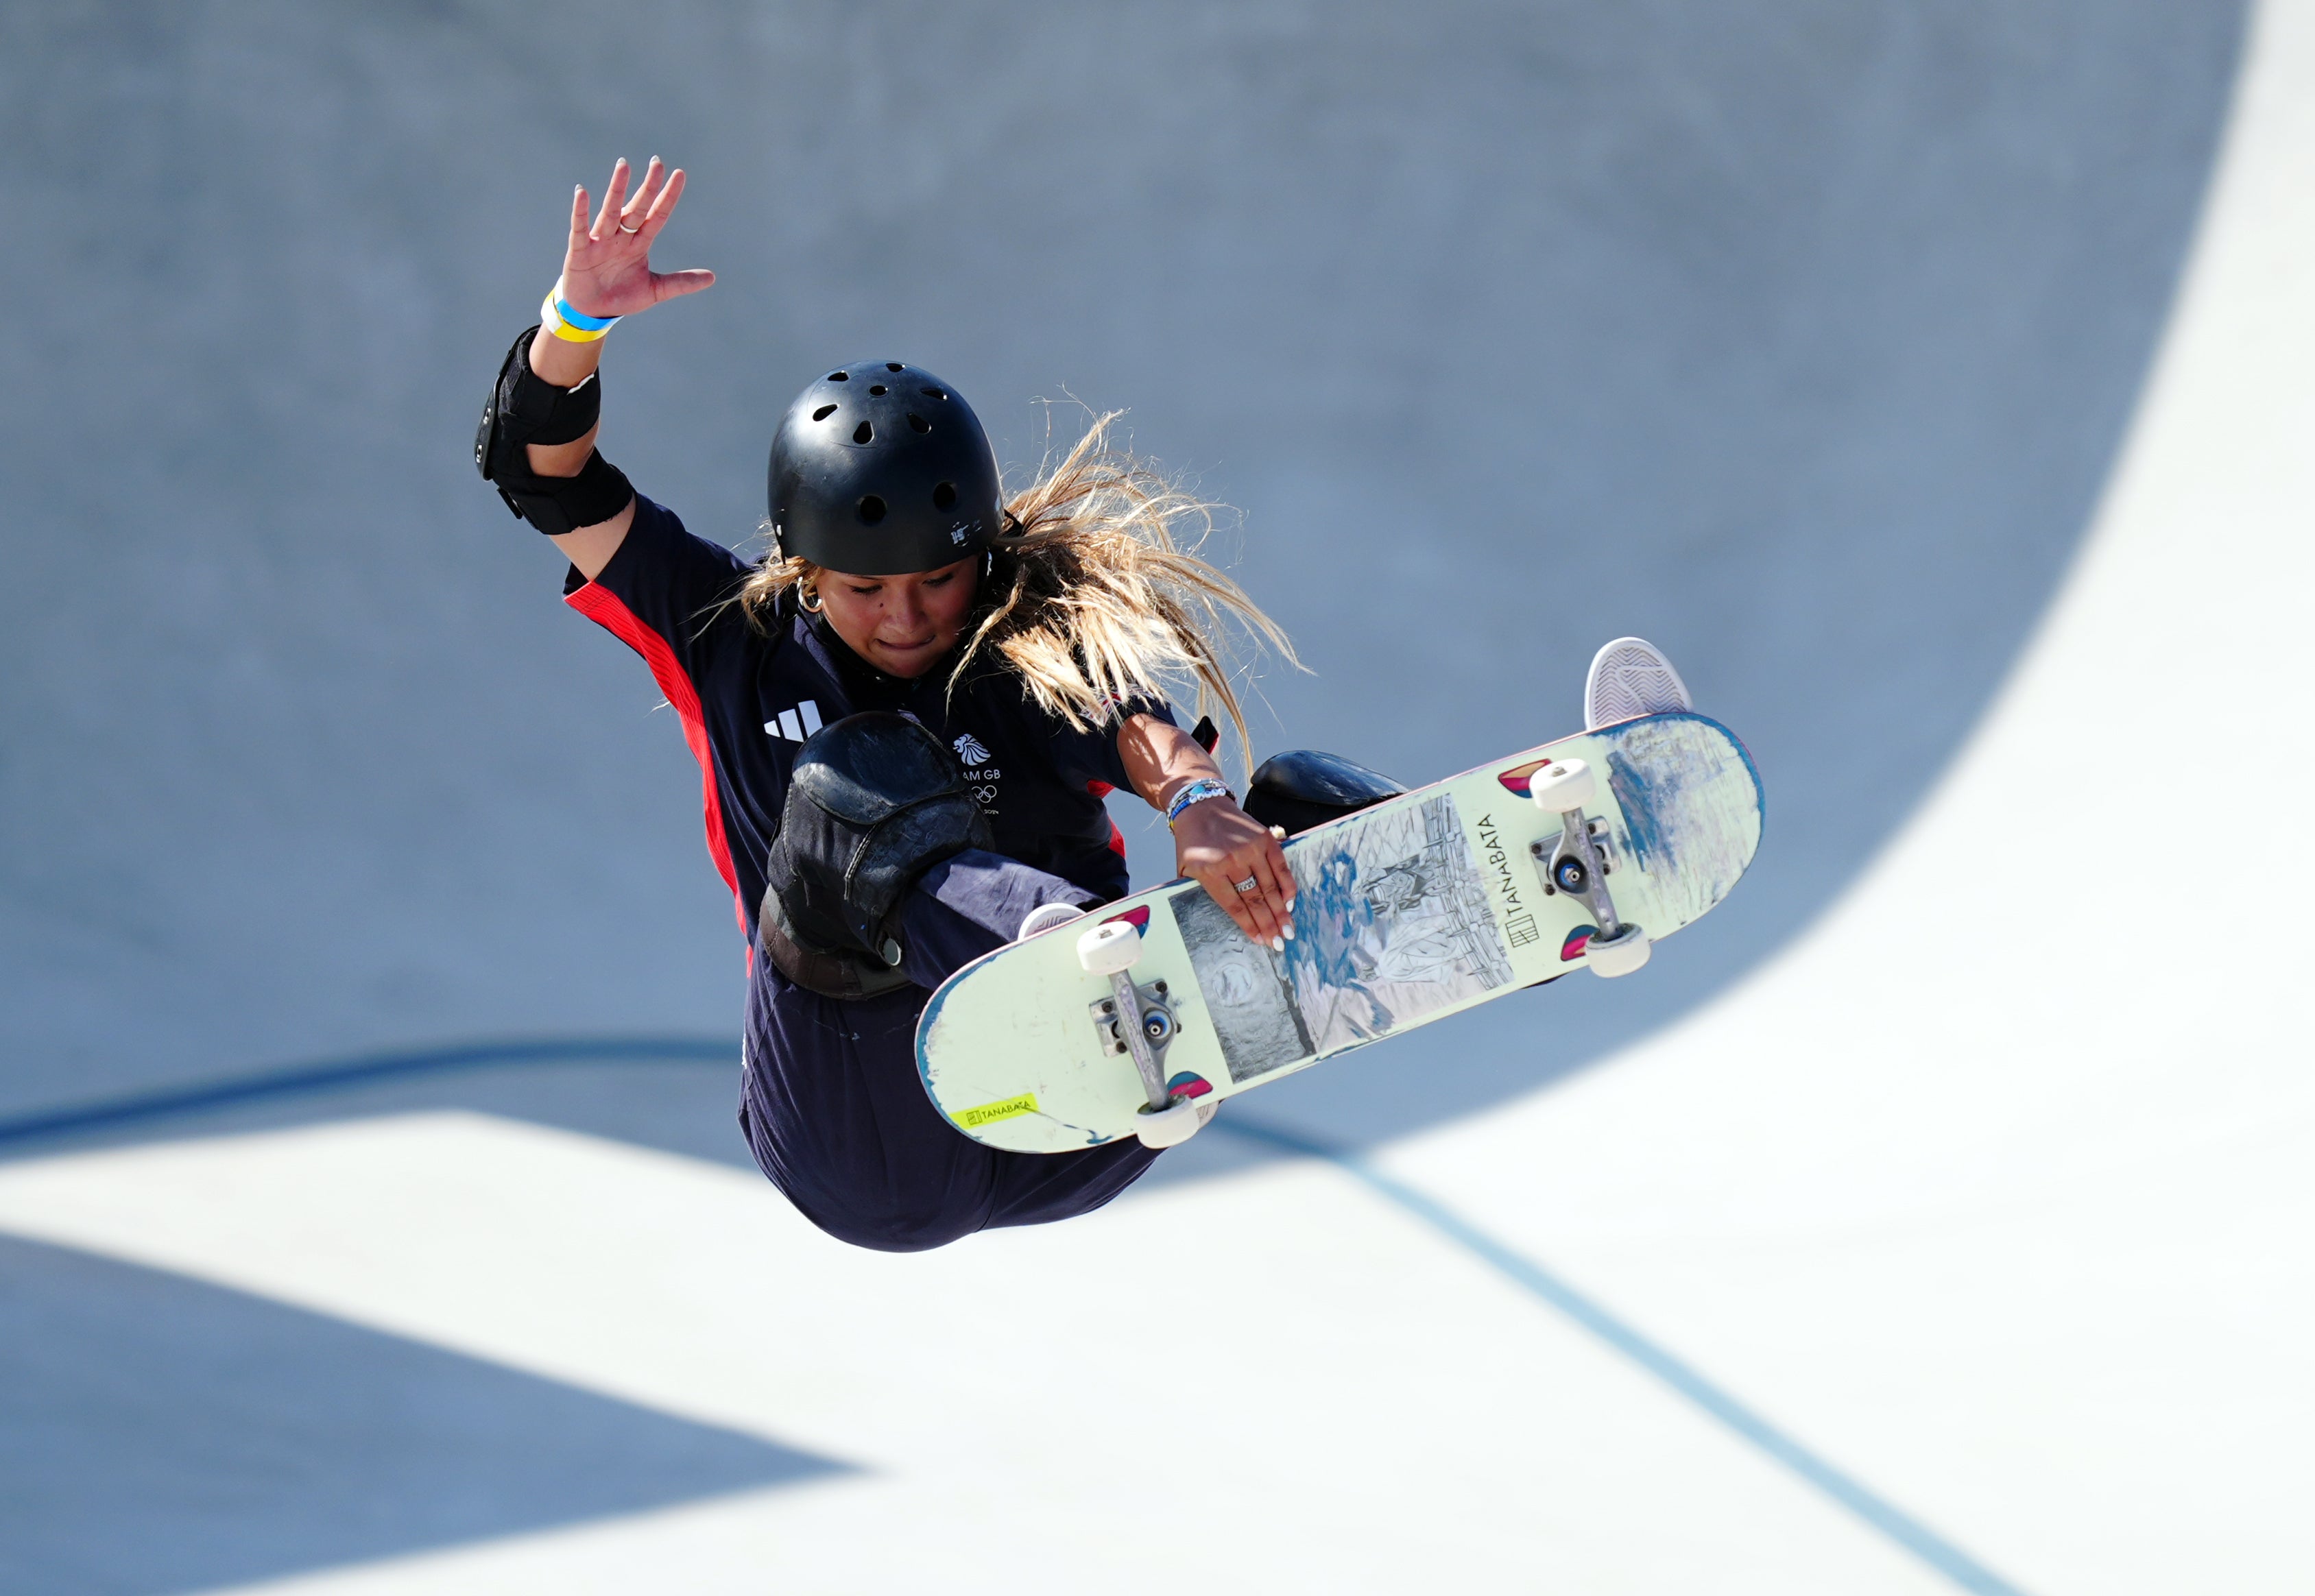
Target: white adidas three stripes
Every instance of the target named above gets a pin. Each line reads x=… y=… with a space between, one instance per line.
x=795 y=724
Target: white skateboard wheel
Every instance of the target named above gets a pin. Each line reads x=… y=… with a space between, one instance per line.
x=1170 y=1126
x=1112 y=946
x=1045 y=917
x=1625 y=952
x=1562 y=786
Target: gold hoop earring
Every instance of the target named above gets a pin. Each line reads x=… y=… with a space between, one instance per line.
x=808 y=598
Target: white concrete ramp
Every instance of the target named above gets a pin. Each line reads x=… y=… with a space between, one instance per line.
x=1997 y=1185
x=1326 y=1398
x=1963 y=1245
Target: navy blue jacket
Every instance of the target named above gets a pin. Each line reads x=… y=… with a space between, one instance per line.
x=747 y=700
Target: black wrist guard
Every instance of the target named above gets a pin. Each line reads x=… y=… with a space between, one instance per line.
x=525 y=409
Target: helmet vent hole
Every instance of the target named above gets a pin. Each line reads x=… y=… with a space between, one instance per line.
x=877 y=390
x=823 y=413
x=872 y=509
x=893 y=366
x=861 y=434
x=944 y=496
x=839 y=376
x=919 y=423
x=932 y=392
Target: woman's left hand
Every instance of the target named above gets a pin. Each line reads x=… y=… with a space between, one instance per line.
x=1238 y=859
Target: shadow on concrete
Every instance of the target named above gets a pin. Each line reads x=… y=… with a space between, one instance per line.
x=159 y=1435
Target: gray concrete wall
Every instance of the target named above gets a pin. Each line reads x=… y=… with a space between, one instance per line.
x=1795 y=336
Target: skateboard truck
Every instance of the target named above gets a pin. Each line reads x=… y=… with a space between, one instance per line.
x=1577 y=865
x=1156 y=1020
x=1139 y=1021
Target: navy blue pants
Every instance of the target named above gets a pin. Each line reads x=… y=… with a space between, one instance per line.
x=838 y=1119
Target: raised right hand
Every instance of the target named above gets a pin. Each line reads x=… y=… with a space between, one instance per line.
x=607 y=266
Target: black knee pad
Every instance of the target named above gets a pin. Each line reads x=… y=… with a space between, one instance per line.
x=1302 y=789
x=874 y=802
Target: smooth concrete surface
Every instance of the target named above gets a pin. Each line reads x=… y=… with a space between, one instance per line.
x=267 y=1440
x=1257 y=1382
x=1942 y=1241
x=2035 y=1260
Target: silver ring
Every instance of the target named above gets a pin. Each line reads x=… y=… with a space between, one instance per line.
x=625 y=229
x=1244 y=886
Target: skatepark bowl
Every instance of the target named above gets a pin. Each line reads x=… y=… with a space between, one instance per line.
x=1928 y=377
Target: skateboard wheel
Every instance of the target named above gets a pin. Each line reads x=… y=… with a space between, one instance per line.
x=1112 y=946
x=1625 y=952
x=1045 y=917
x=1171 y=1125
x=1562 y=786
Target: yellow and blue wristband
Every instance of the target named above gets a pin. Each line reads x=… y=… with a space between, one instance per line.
x=555 y=315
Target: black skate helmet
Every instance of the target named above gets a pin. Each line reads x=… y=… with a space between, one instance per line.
x=879 y=469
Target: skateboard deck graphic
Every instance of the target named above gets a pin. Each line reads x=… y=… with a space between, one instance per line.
x=1419 y=907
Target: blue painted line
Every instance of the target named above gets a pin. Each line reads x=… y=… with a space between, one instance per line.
x=308 y=1080
x=1877 y=1510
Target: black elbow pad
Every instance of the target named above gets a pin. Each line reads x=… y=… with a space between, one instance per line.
x=560 y=504
x=524 y=409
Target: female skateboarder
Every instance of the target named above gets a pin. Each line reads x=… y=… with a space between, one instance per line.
x=905 y=716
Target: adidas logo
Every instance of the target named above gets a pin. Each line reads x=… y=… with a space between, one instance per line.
x=795 y=724
x=968 y=750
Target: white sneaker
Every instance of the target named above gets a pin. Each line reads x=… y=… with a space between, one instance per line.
x=1046 y=915
x=1629 y=679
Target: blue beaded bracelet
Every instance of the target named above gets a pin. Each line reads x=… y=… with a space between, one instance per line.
x=1196 y=792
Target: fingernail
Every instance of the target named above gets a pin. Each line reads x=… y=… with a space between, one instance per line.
x=1290 y=932
x=1277 y=944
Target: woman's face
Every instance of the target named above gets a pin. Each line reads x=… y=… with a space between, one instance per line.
x=900 y=624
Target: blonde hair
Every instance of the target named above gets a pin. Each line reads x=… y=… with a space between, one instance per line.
x=1092 y=597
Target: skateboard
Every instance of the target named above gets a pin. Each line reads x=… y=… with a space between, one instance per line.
x=1583 y=853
